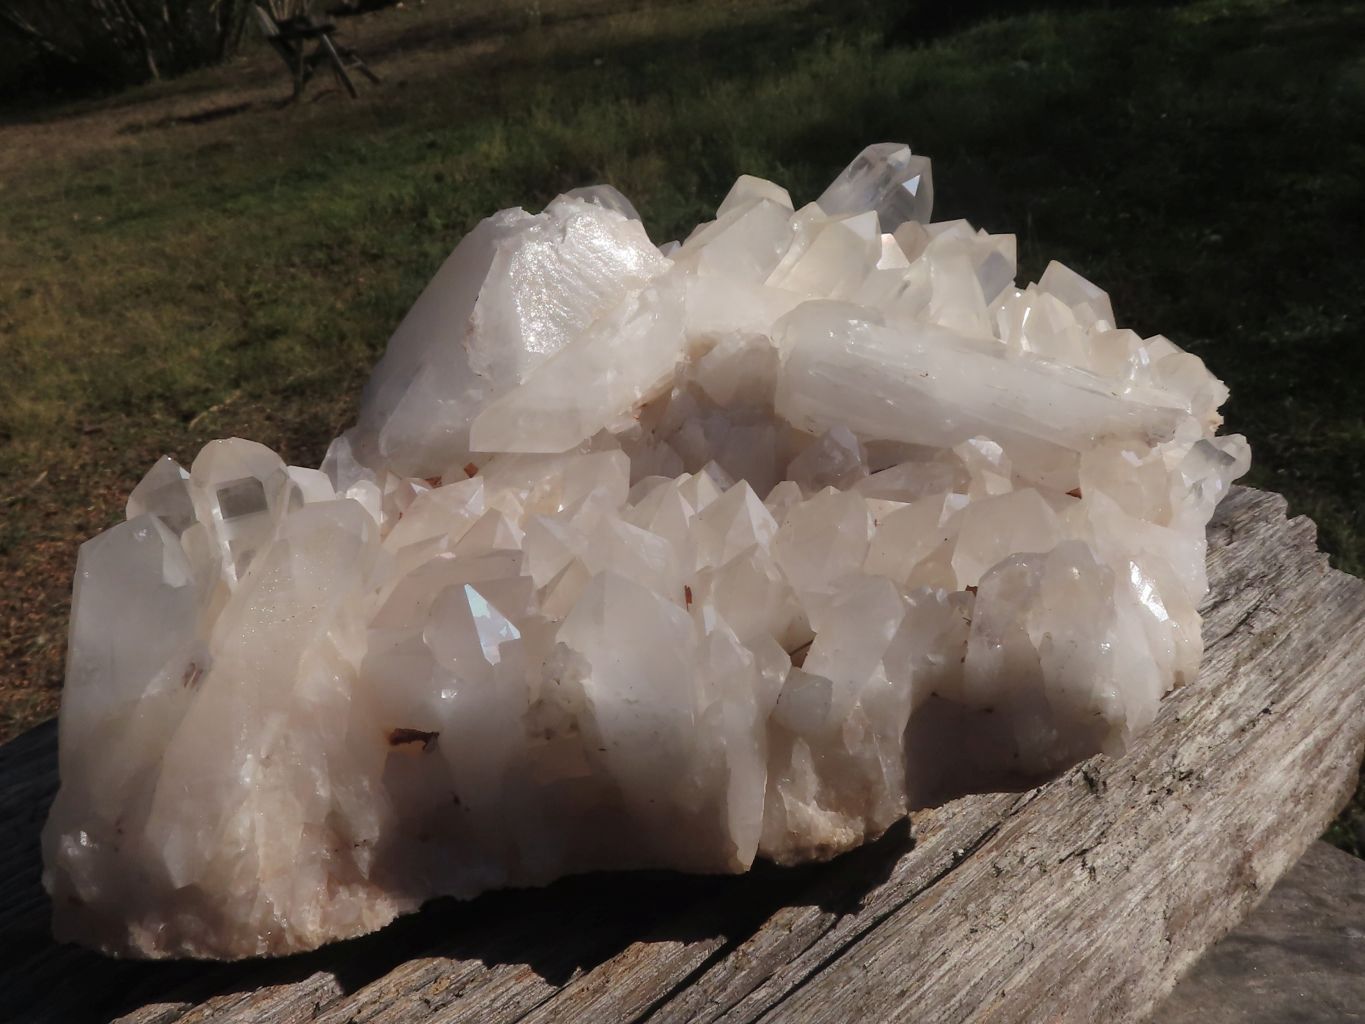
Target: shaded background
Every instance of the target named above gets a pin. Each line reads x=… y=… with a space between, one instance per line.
x=187 y=259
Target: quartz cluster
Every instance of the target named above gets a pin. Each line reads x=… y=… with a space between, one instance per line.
x=637 y=556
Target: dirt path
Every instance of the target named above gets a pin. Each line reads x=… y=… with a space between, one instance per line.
x=404 y=44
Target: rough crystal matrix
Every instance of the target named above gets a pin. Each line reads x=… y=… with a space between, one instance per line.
x=637 y=556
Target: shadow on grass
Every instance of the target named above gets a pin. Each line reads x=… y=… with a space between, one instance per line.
x=924 y=21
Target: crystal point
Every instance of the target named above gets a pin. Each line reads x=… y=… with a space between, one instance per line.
x=887 y=179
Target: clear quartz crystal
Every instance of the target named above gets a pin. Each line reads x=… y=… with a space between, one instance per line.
x=607 y=197
x=637 y=557
x=887 y=179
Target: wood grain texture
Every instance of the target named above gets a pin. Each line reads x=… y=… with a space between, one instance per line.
x=1081 y=900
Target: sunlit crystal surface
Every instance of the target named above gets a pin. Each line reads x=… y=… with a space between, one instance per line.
x=637 y=556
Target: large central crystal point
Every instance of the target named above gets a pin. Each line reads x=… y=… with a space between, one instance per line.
x=638 y=556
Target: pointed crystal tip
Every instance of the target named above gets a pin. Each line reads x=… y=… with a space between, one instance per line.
x=888 y=179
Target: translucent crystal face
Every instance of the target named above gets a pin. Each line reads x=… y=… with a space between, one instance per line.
x=886 y=179
x=637 y=557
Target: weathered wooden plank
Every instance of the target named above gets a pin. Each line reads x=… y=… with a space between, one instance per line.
x=776 y=960
x=1083 y=899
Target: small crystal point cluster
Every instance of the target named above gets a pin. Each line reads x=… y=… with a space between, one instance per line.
x=638 y=556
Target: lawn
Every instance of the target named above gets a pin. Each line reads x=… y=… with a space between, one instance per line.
x=189 y=260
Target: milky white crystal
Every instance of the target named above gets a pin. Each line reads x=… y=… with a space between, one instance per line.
x=637 y=557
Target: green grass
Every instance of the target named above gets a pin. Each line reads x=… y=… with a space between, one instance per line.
x=1201 y=161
